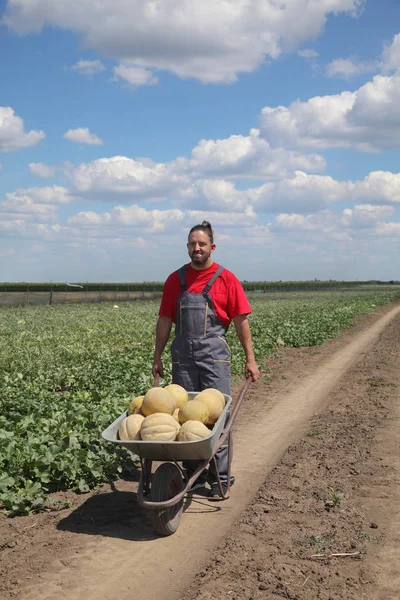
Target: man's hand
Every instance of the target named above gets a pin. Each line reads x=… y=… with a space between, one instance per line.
x=251 y=370
x=157 y=367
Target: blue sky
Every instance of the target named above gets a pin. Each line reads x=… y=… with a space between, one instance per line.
x=124 y=123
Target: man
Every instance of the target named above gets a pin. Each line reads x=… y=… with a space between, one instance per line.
x=202 y=298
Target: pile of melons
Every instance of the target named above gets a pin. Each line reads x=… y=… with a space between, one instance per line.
x=167 y=414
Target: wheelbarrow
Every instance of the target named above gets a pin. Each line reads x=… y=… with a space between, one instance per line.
x=163 y=491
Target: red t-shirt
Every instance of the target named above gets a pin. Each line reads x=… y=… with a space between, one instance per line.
x=227 y=294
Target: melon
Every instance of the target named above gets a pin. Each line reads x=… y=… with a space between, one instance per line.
x=135 y=405
x=176 y=414
x=194 y=410
x=191 y=431
x=130 y=427
x=159 y=427
x=179 y=393
x=216 y=392
x=158 y=400
x=214 y=403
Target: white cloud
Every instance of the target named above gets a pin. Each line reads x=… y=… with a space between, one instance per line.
x=82 y=135
x=249 y=157
x=224 y=219
x=135 y=76
x=346 y=68
x=35 y=203
x=308 y=53
x=391 y=55
x=367 y=119
x=12 y=133
x=364 y=216
x=237 y=157
x=362 y=222
x=389 y=230
x=212 y=40
x=214 y=195
x=123 y=175
x=134 y=216
x=42 y=170
x=304 y=193
x=88 y=67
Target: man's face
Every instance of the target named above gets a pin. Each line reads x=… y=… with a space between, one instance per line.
x=200 y=248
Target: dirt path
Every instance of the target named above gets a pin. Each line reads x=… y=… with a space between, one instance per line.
x=105 y=548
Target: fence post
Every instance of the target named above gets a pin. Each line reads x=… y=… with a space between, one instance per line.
x=51 y=297
x=27 y=295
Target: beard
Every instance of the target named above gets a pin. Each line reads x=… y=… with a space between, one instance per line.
x=199 y=259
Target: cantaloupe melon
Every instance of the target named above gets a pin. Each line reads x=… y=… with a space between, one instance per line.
x=158 y=400
x=193 y=410
x=214 y=403
x=135 y=405
x=176 y=414
x=130 y=427
x=192 y=431
x=179 y=393
x=159 y=427
x=216 y=392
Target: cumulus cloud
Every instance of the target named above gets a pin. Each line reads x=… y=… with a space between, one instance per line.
x=360 y=222
x=12 y=133
x=391 y=55
x=346 y=68
x=37 y=203
x=88 y=67
x=364 y=216
x=304 y=193
x=248 y=157
x=134 y=216
x=212 y=40
x=42 y=170
x=214 y=195
x=123 y=175
x=135 y=76
x=188 y=178
x=82 y=135
x=367 y=119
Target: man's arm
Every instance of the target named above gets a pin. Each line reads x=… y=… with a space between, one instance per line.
x=244 y=334
x=163 y=330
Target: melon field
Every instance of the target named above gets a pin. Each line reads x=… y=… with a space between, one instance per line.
x=66 y=372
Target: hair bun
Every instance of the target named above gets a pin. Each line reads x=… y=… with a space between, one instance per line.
x=206 y=224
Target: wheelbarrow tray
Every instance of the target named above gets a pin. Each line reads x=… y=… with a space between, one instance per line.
x=172 y=451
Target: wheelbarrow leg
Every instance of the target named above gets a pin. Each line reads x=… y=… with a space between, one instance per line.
x=224 y=493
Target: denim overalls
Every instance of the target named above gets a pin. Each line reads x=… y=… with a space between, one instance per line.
x=201 y=357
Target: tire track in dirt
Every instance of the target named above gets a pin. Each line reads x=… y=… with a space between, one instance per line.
x=113 y=568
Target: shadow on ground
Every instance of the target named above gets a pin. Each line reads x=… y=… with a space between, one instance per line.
x=117 y=514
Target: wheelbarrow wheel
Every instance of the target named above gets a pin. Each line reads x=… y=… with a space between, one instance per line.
x=167 y=482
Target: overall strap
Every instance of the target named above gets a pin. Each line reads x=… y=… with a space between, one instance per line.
x=213 y=278
x=182 y=278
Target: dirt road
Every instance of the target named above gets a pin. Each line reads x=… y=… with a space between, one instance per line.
x=104 y=547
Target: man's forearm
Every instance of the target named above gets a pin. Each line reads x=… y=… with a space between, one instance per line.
x=163 y=330
x=244 y=334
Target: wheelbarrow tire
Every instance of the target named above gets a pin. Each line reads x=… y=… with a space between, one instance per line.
x=167 y=482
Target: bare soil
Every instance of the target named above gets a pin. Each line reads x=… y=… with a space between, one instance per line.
x=314 y=515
